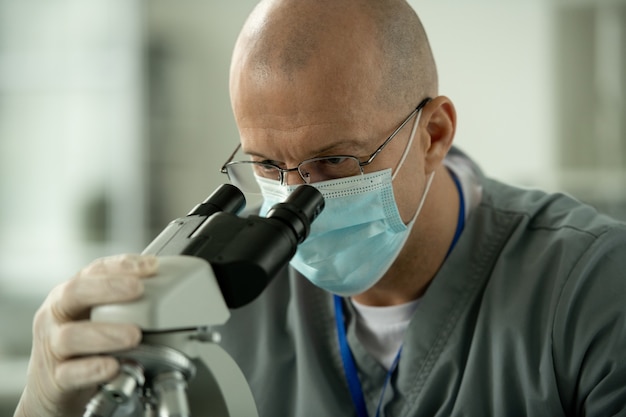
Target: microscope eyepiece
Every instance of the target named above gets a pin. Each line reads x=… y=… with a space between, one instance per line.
x=226 y=198
x=299 y=210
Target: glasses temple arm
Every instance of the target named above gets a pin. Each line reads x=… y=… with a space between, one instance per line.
x=230 y=158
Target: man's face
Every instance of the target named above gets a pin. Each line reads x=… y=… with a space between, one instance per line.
x=324 y=109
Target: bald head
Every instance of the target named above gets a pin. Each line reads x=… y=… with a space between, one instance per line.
x=337 y=45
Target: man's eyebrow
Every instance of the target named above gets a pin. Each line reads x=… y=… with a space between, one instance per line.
x=253 y=153
x=351 y=144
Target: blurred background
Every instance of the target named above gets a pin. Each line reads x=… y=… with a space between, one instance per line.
x=115 y=119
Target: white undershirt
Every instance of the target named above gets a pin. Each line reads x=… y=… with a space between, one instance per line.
x=381 y=329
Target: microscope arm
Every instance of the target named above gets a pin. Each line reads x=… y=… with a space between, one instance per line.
x=220 y=388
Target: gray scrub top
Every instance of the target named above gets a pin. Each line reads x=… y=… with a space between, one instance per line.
x=527 y=317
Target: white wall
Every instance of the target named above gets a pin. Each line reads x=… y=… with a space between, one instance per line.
x=70 y=137
x=495 y=63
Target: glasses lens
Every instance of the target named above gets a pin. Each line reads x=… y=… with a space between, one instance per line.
x=329 y=168
x=242 y=175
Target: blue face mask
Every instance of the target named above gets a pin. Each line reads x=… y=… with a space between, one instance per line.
x=357 y=236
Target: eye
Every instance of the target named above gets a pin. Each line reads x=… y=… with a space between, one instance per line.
x=264 y=169
x=264 y=161
x=330 y=167
x=334 y=160
x=266 y=164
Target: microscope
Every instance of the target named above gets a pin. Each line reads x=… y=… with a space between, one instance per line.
x=210 y=261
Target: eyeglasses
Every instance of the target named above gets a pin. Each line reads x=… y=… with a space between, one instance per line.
x=244 y=174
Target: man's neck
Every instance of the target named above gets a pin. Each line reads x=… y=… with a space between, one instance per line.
x=424 y=251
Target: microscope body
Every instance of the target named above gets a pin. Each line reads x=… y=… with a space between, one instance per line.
x=209 y=262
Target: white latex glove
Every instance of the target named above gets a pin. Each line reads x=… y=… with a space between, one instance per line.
x=65 y=365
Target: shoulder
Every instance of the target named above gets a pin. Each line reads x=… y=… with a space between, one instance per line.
x=574 y=259
x=547 y=211
x=557 y=244
x=541 y=223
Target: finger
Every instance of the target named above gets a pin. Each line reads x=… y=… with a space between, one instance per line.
x=86 y=337
x=107 y=280
x=85 y=372
x=74 y=299
x=140 y=265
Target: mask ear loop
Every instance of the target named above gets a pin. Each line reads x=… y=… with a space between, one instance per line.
x=429 y=181
x=408 y=145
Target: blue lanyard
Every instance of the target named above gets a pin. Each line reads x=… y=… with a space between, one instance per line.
x=349 y=366
x=460 y=223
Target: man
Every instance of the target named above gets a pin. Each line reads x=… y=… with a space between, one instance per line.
x=463 y=296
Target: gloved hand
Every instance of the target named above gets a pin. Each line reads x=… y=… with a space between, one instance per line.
x=65 y=366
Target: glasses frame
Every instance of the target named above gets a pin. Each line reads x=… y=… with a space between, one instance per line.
x=369 y=160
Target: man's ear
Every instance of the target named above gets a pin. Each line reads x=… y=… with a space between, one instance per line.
x=440 y=118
